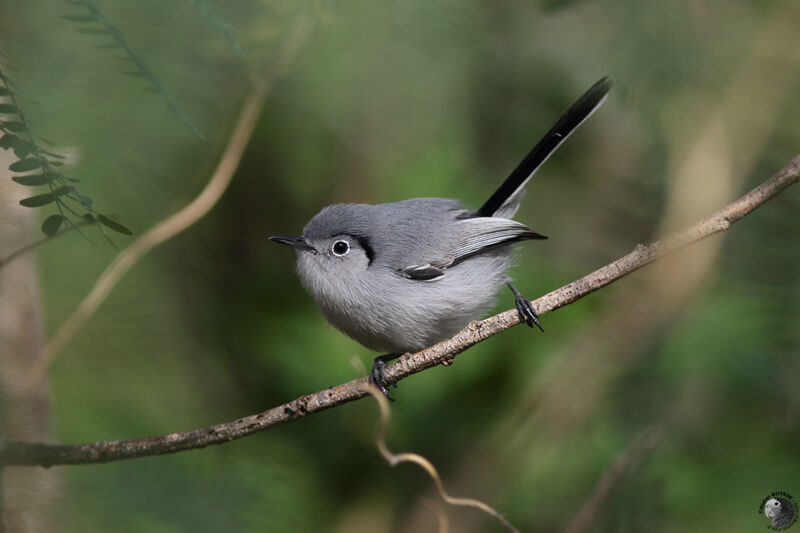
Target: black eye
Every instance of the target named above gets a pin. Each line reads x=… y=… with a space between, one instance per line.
x=340 y=248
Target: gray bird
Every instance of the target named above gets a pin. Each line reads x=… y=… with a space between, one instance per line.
x=780 y=510
x=402 y=276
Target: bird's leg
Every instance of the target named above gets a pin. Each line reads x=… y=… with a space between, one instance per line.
x=377 y=377
x=525 y=308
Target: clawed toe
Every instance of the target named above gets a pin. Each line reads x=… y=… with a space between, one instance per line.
x=525 y=309
x=527 y=314
x=378 y=378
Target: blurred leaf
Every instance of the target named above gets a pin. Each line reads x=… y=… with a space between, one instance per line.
x=79 y=18
x=107 y=45
x=22 y=147
x=116 y=226
x=93 y=31
x=36 y=201
x=14 y=126
x=52 y=224
x=4 y=92
x=51 y=154
x=8 y=109
x=61 y=191
x=34 y=179
x=7 y=141
x=557 y=5
x=25 y=165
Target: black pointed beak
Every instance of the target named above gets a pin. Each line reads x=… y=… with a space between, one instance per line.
x=297 y=242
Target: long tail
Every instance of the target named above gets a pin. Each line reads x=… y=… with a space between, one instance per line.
x=505 y=200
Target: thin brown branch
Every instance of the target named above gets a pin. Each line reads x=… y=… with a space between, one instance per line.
x=186 y=217
x=395 y=459
x=163 y=231
x=24 y=453
x=627 y=460
x=28 y=247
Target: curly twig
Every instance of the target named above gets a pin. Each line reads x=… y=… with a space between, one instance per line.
x=395 y=459
x=25 y=453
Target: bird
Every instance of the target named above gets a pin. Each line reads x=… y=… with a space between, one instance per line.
x=399 y=277
x=780 y=510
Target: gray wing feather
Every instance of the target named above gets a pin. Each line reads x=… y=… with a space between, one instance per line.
x=475 y=236
x=485 y=233
x=425 y=272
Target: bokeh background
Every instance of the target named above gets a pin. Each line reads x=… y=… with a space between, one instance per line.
x=381 y=101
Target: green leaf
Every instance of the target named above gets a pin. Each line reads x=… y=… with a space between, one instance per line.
x=92 y=31
x=7 y=141
x=108 y=45
x=34 y=179
x=51 y=154
x=116 y=226
x=25 y=165
x=22 y=148
x=14 y=126
x=4 y=92
x=79 y=18
x=36 y=201
x=551 y=6
x=135 y=74
x=8 y=109
x=61 y=191
x=52 y=224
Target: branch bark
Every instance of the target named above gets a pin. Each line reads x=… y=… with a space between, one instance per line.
x=27 y=453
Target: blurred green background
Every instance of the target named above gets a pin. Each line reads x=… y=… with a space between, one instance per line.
x=382 y=101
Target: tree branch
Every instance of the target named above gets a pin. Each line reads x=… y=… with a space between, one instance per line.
x=25 y=453
x=17 y=253
x=627 y=460
x=183 y=219
x=163 y=231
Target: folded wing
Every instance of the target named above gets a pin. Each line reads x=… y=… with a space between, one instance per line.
x=475 y=236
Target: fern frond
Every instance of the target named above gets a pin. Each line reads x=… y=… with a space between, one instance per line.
x=95 y=16
x=39 y=166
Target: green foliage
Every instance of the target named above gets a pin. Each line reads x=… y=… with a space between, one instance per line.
x=18 y=137
x=52 y=224
x=389 y=100
x=109 y=29
x=221 y=26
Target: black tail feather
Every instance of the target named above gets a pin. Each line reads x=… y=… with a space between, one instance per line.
x=575 y=115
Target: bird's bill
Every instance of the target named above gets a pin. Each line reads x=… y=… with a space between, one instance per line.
x=298 y=242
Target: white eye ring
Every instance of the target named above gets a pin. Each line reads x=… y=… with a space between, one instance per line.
x=340 y=248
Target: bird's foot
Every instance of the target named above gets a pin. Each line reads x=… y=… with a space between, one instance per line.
x=525 y=308
x=377 y=376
